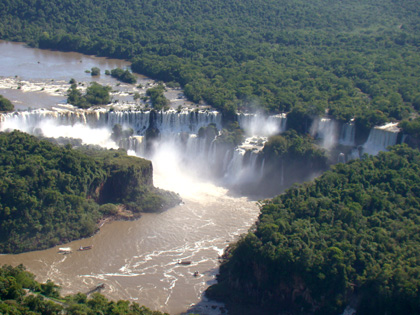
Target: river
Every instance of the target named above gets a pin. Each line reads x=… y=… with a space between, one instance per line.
x=136 y=260
x=35 y=78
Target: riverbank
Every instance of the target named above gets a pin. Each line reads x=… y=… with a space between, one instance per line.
x=21 y=293
x=54 y=194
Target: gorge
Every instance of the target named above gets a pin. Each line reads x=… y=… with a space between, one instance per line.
x=139 y=260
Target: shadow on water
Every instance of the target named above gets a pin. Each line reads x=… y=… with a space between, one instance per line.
x=253 y=192
x=211 y=307
x=206 y=306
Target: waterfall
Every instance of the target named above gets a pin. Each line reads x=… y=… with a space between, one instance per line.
x=347 y=134
x=187 y=121
x=262 y=169
x=226 y=160
x=170 y=121
x=282 y=174
x=202 y=155
x=243 y=166
x=136 y=144
x=380 y=138
x=325 y=129
x=341 y=158
x=261 y=125
x=235 y=165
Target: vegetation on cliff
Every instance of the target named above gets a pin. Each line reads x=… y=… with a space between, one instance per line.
x=51 y=194
x=6 y=105
x=21 y=294
x=231 y=136
x=411 y=128
x=291 y=158
x=351 y=57
x=130 y=182
x=352 y=236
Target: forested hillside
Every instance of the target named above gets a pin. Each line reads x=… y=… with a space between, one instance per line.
x=21 y=294
x=50 y=195
x=355 y=58
x=351 y=236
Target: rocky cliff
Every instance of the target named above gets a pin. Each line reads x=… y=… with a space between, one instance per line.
x=129 y=182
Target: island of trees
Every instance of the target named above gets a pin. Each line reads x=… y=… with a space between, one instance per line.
x=52 y=194
x=157 y=98
x=96 y=94
x=123 y=75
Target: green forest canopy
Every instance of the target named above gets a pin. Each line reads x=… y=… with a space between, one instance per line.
x=5 y=104
x=351 y=235
x=51 y=194
x=352 y=57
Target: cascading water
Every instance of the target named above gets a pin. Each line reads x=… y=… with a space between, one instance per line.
x=246 y=164
x=55 y=124
x=261 y=125
x=380 y=138
x=326 y=130
x=245 y=167
x=170 y=121
x=347 y=134
x=178 y=130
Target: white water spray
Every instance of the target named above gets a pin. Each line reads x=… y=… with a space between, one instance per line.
x=326 y=130
x=380 y=138
x=51 y=128
x=261 y=125
x=348 y=133
x=178 y=148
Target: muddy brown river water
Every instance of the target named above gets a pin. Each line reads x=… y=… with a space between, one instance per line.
x=137 y=260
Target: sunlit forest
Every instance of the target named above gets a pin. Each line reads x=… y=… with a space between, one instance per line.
x=349 y=58
x=348 y=238
x=352 y=236
x=52 y=194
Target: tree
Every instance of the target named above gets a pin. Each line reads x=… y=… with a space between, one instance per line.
x=74 y=96
x=123 y=75
x=97 y=94
x=6 y=105
x=157 y=97
x=352 y=232
x=95 y=71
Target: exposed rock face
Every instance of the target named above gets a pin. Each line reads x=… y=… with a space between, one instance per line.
x=124 y=178
x=130 y=182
